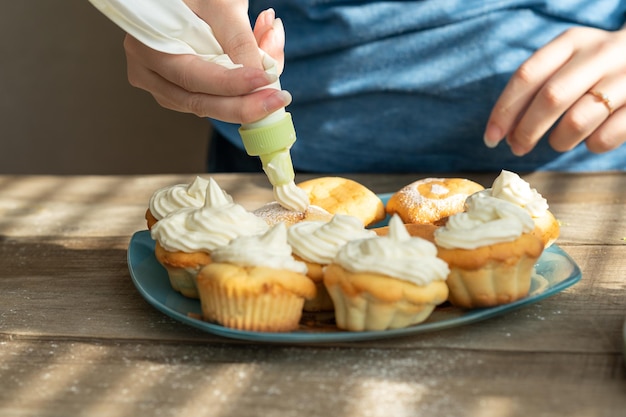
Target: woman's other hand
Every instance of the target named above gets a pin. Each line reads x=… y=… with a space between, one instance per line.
x=576 y=83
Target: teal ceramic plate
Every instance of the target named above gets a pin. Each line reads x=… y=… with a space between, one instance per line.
x=555 y=271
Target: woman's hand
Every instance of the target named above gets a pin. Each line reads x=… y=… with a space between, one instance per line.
x=578 y=82
x=189 y=84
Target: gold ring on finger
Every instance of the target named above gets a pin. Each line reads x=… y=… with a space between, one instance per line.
x=604 y=99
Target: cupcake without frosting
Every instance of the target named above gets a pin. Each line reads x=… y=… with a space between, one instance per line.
x=431 y=200
x=339 y=195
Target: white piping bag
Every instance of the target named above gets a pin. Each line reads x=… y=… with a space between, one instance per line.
x=170 y=26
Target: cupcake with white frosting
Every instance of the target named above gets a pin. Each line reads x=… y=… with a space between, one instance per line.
x=255 y=284
x=386 y=282
x=491 y=251
x=316 y=243
x=509 y=186
x=186 y=238
x=172 y=198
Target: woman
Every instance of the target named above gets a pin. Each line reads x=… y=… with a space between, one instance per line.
x=410 y=86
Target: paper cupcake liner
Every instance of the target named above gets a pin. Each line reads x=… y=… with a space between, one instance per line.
x=322 y=300
x=363 y=312
x=493 y=285
x=279 y=311
x=183 y=280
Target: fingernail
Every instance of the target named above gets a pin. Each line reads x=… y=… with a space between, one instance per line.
x=493 y=136
x=515 y=150
x=270 y=15
x=285 y=96
x=278 y=33
x=263 y=80
x=489 y=143
x=278 y=24
x=279 y=99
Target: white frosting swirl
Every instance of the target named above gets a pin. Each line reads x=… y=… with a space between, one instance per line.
x=202 y=229
x=269 y=249
x=319 y=242
x=510 y=187
x=169 y=199
x=486 y=221
x=215 y=196
x=397 y=255
x=291 y=197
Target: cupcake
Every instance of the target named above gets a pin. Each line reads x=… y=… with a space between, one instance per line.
x=255 y=284
x=510 y=187
x=186 y=237
x=339 y=195
x=172 y=198
x=317 y=243
x=386 y=282
x=491 y=251
x=431 y=200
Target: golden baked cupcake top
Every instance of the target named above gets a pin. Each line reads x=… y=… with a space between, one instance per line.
x=339 y=195
x=431 y=200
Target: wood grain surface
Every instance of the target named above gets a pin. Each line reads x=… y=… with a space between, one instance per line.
x=77 y=339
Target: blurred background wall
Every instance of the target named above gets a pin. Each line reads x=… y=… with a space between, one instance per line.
x=65 y=103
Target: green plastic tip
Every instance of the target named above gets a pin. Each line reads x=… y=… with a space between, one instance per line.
x=269 y=139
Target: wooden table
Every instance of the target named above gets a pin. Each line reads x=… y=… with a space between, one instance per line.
x=77 y=339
